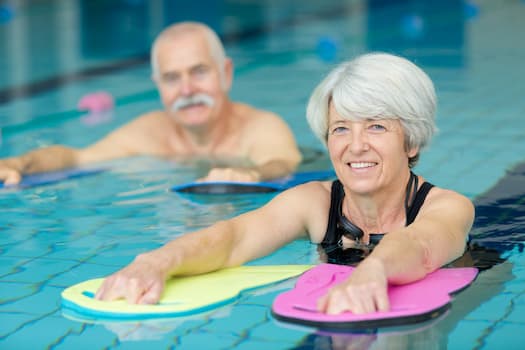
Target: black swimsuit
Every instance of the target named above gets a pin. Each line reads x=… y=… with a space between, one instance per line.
x=331 y=243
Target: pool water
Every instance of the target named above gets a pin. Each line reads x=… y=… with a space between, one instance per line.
x=55 y=51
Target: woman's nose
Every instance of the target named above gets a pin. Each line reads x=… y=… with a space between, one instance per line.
x=359 y=141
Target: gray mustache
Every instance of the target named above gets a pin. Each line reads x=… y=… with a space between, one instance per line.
x=183 y=102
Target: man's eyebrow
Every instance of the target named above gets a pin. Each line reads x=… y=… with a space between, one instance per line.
x=199 y=65
x=169 y=74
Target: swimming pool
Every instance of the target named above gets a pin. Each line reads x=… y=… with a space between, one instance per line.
x=58 y=235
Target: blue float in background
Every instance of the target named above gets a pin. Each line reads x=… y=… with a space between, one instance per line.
x=413 y=26
x=6 y=13
x=327 y=48
x=471 y=10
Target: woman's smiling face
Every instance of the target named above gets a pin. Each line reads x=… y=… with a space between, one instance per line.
x=367 y=154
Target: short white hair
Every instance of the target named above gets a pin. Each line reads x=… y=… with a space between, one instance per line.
x=170 y=33
x=377 y=86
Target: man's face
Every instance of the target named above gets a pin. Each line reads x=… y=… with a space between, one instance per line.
x=192 y=85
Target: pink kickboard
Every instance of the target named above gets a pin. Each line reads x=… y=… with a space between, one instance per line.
x=415 y=302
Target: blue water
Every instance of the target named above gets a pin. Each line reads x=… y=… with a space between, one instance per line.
x=53 y=52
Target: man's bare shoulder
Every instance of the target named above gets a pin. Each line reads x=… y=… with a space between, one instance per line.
x=146 y=134
x=152 y=124
x=251 y=115
x=266 y=137
x=156 y=118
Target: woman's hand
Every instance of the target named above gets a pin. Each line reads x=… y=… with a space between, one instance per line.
x=141 y=282
x=364 y=291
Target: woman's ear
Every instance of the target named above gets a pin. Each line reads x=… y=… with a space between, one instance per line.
x=413 y=152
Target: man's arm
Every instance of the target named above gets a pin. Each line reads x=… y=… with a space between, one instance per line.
x=270 y=146
x=39 y=160
x=125 y=141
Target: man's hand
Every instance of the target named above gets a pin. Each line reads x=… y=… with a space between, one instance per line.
x=8 y=174
x=232 y=174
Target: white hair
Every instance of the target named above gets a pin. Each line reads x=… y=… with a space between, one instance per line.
x=214 y=43
x=377 y=86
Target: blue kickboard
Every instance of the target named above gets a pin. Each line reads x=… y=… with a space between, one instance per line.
x=231 y=187
x=40 y=179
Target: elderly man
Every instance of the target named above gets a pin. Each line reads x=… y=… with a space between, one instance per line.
x=199 y=121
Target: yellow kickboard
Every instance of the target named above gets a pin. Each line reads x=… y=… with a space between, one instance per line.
x=182 y=295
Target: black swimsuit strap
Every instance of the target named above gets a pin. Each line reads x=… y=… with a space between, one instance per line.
x=418 y=201
x=336 y=199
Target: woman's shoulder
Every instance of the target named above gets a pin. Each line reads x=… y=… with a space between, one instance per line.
x=322 y=188
x=309 y=193
x=440 y=197
x=312 y=202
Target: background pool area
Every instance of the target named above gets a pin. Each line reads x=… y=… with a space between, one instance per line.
x=55 y=51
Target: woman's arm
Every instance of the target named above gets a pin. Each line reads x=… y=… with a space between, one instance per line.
x=436 y=237
x=224 y=244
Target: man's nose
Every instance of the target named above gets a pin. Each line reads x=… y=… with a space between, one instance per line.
x=187 y=87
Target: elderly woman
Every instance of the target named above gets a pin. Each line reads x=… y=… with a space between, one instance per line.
x=375 y=114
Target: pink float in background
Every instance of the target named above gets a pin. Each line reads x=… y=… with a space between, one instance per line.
x=415 y=302
x=96 y=102
x=99 y=106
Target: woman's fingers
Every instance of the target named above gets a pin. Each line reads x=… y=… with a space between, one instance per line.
x=152 y=294
x=139 y=285
x=357 y=296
